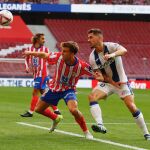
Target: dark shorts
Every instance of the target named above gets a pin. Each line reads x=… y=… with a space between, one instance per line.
x=53 y=98
x=38 y=84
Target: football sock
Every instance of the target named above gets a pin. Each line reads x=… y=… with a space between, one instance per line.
x=49 y=114
x=81 y=122
x=54 y=108
x=139 y=119
x=96 y=112
x=33 y=103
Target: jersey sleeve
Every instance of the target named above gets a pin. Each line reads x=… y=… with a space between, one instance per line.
x=86 y=69
x=113 y=47
x=53 y=57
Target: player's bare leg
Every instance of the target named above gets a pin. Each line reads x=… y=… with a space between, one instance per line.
x=42 y=108
x=137 y=114
x=73 y=108
x=96 y=110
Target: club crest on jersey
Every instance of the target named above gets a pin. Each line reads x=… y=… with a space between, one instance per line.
x=35 y=61
x=64 y=79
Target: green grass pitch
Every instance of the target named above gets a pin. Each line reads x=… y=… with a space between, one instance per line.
x=117 y=119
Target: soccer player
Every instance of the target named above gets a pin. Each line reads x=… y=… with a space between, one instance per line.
x=69 y=69
x=106 y=59
x=38 y=66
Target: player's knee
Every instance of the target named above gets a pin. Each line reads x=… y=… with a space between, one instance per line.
x=91 y=97
x=37 y=110
x=73 y=111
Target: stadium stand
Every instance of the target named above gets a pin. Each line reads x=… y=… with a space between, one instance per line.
x=13 y=40
x=133 y=35
x=13 y=69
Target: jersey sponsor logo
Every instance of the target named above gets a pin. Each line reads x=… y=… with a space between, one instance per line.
x=106 y=64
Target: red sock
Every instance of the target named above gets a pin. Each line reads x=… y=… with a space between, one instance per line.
x=33 y=103
x=82 y=123
x=54 y=107
x=49 y=114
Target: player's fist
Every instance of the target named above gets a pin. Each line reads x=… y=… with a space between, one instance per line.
x=107 y=56
x=26 y=53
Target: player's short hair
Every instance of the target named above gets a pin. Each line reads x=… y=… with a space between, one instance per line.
x=95 y=31
x=73 y=46
x=36 y=37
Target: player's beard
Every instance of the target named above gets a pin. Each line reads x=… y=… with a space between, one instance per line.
x=94 y=46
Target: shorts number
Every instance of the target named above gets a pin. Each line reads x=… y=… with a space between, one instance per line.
x=102 y=84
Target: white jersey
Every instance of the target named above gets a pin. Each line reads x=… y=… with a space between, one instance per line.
x=112 y=67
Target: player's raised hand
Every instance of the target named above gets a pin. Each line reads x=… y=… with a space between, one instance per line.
x=27 y=53
x=107 y=56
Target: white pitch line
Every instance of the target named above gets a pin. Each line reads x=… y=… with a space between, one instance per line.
x=113 y=123
x=78 y=135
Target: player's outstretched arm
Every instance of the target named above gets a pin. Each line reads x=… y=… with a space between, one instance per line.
x=120 y=51
x=36 y=54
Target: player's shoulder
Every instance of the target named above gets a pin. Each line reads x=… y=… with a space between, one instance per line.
x=81 y=61
x=45 y=49
x=30 y=47
x=92 y=53
x=111 y=44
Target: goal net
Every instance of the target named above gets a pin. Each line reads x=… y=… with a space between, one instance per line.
x=13 y=68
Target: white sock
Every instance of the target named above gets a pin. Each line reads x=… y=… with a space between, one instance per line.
x=96 y=113
x=31 y=112
x=141 y=123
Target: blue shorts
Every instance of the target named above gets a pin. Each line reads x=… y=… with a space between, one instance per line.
x=38 y=84
x=53 y=98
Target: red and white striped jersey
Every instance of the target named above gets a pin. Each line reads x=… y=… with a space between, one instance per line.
x=66 y=76
x=36 y=64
